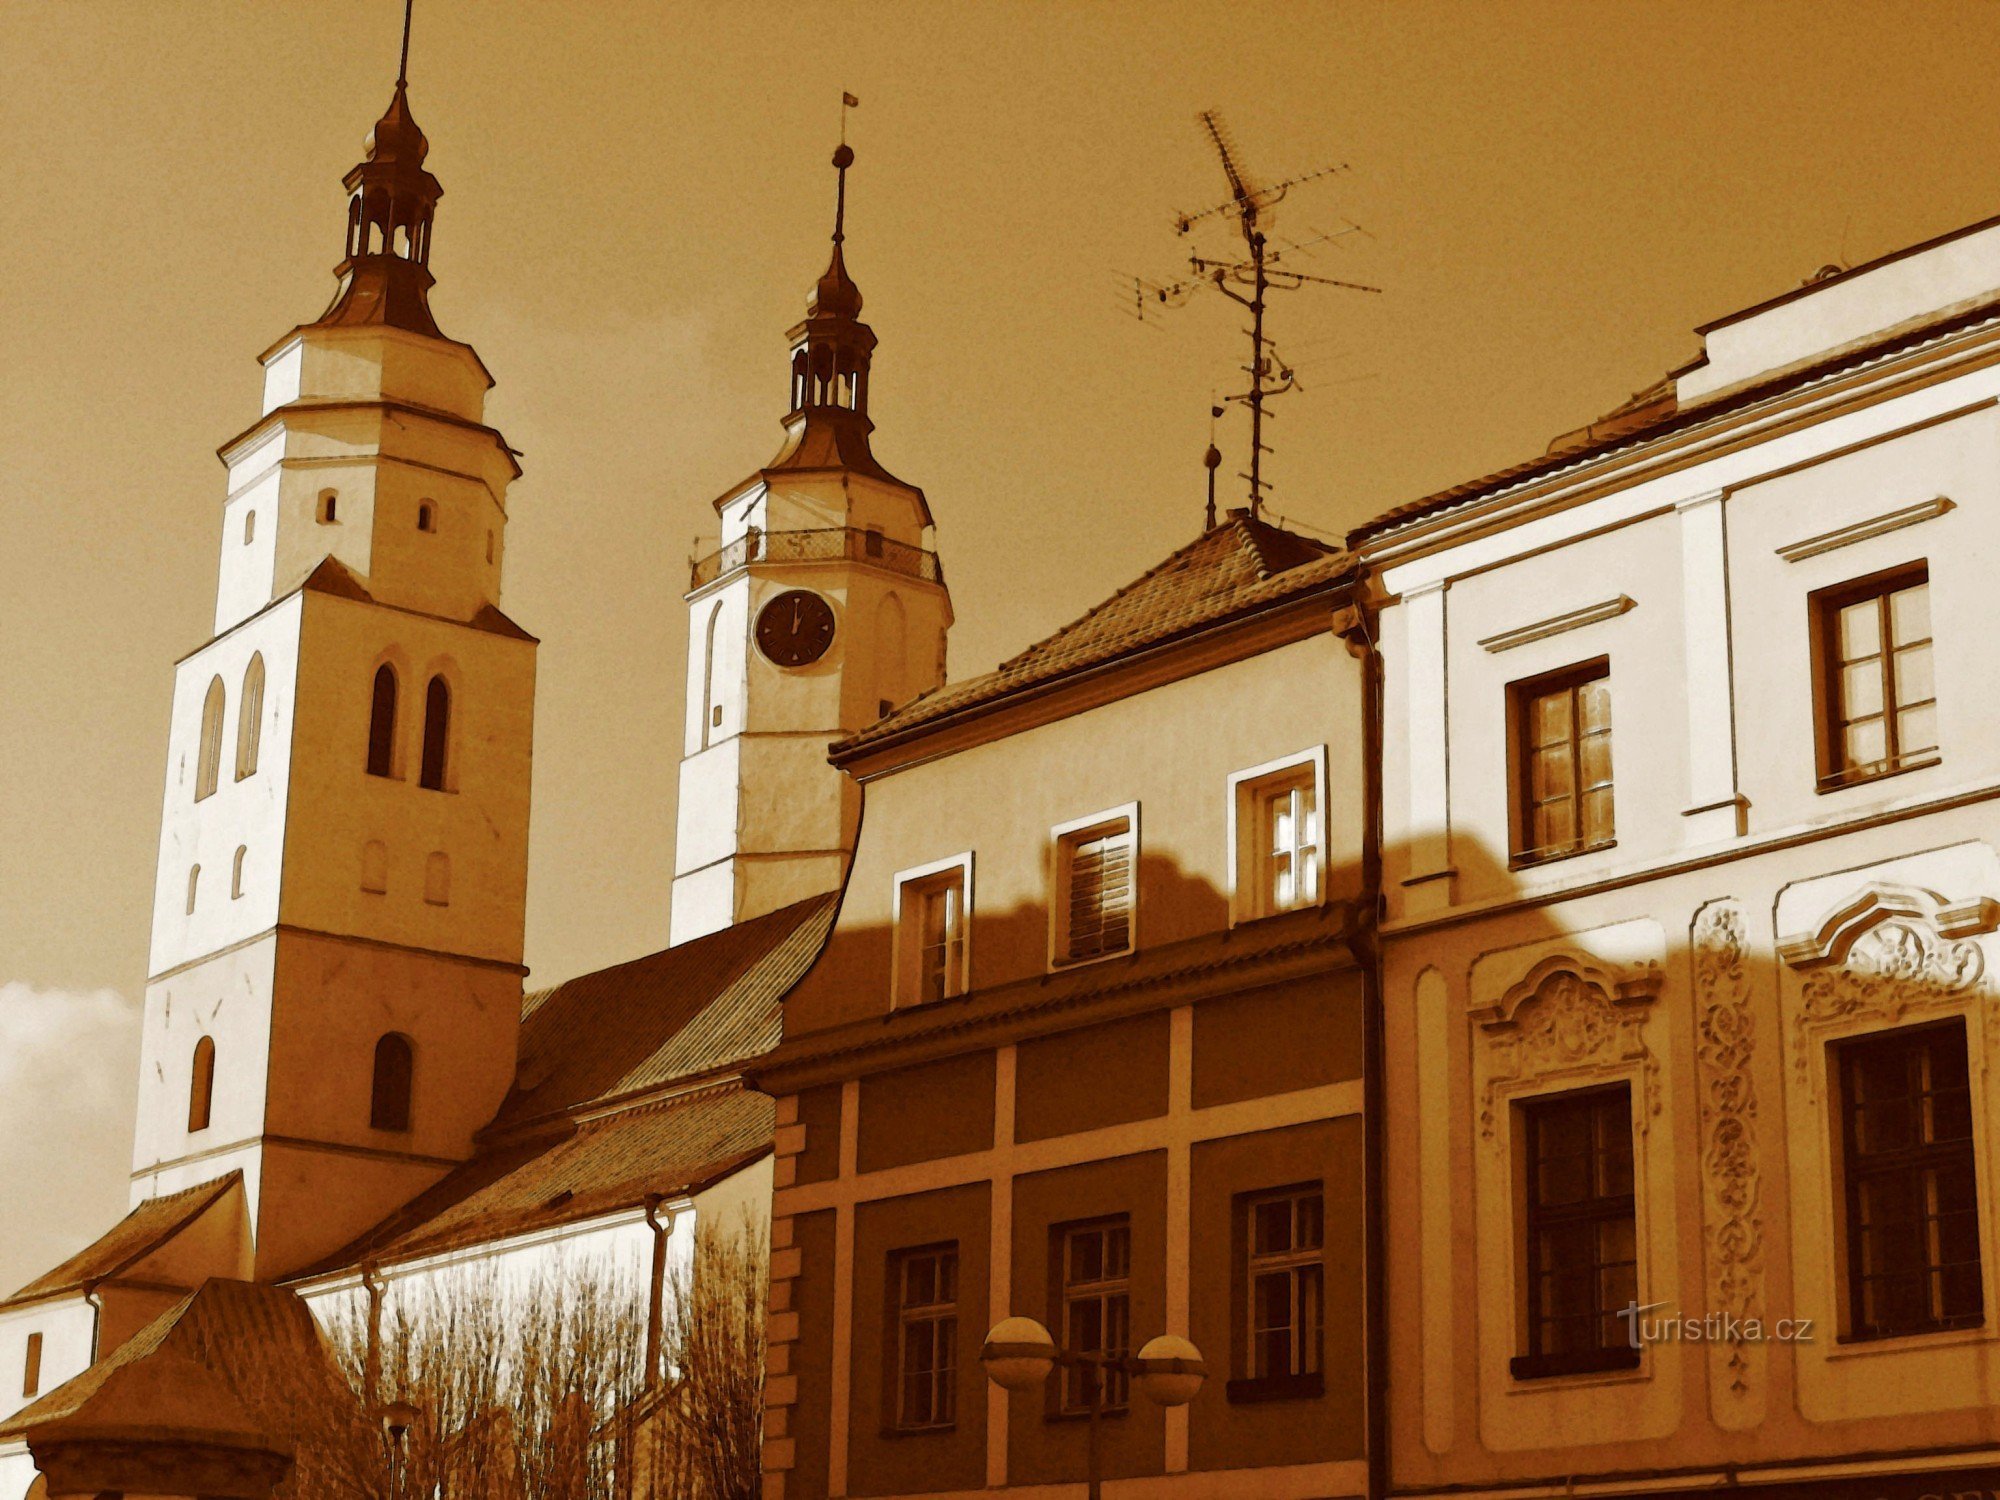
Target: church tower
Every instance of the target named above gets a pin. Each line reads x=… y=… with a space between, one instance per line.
x=337 y=920
x=822 y=611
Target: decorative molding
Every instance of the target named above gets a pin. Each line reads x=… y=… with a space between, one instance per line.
x=1891 y=968
x=1725 y=1043
x=1568 y=1018
x=1884 y=901
x=1861 y=531
x=1590 y=614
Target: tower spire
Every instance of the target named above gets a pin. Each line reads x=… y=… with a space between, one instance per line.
x=827 y=426
x=391 y=201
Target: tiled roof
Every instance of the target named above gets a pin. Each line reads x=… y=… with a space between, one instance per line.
x=1235 y=569
x=678 y=1145
x=689 y=1010
x=1656 y=412
x=692 y=1012
x=138 y=1234
x=259 y=1341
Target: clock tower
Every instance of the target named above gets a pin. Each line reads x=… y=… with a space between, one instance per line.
x=823 y=610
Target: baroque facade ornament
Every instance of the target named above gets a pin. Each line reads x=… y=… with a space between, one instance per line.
x=1725 y=1044
x=1568 y=1017
x=1894 y=967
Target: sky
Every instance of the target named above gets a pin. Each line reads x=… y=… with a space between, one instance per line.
x=637 y=197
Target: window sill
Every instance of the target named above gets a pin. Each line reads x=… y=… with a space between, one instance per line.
x=1064 y=965
x=1275 y=1388
x=1847 y=780
x=1553 y=1366
x=1534 y=861
x=1910 y=1338
x=1080 y=1415
x=936 y=1429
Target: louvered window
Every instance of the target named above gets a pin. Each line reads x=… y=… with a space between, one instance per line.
x=1094 y=897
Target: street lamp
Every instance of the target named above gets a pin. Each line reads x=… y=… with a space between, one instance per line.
x=1019 y=1354
x=397 y=1418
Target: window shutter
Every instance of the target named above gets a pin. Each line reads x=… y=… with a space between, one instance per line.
x=1100 y=894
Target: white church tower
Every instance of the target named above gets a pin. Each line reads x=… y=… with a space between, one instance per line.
x=337 y=921
x=822 y=611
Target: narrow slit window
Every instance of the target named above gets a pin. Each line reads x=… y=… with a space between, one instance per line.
x=208 y=764
x=389 y=1098
x=329 y=507
x=194 y=884
x=437 y=733
x=250 y=718
x=426 y=517
x=201 y=1085
x=382 y=723
x=31 y=1370
x=236 y=874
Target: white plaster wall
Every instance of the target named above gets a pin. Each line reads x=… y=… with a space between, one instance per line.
x=67 y=1326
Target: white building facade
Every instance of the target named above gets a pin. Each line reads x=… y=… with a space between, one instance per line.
x=1691 y=875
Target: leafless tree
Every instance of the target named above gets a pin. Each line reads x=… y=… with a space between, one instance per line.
x=536 y=1388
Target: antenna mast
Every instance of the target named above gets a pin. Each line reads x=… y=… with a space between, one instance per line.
x=1259 y=273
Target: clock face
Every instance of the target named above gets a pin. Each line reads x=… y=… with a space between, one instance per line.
x=795 y=628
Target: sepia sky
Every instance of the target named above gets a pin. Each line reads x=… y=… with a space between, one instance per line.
x=637 y=199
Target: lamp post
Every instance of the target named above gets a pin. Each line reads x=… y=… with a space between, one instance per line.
x=397 y=1418
x=1019 y=1353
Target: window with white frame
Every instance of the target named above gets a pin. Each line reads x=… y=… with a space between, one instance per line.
x=924 y=1286
x=1278 y=836
x=1284 y=1283
x=1094 y=887
x=933 y=923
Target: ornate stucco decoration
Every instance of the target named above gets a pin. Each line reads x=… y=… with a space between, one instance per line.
x=1568 y=1017
x=1725 y=1044
x=1889 y=951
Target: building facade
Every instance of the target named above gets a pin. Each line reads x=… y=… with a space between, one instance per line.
x=1037 y=1072
x=1690 y=890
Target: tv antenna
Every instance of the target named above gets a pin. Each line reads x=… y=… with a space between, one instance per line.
x=1257 y=274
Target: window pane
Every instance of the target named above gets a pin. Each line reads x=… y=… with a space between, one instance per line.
x=1597 y=821
x=1861 y=689
x=1551 y=772
x=1910 y=613
x=1913 y=675
x=1594 y=706
x=1549 y=718
x=1865 y=744
x=1916 y=730
x=1086 y=1256
x=1271 y=1227
x=1596 y=751
x=1860 y=630
x=1117 y=1251
x=1312 y=1222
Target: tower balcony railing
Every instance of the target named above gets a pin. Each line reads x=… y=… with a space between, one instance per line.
x=816 y=545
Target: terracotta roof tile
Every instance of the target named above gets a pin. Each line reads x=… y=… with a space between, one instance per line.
x=1236 y=568
x=680 y=1144
x=1655 y=413
x=689 y=1010
x=138 y=1234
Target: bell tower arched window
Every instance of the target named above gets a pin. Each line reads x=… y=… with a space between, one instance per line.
x=209 y=760
x=389 y=1100
x=437 y=733
x=250 y=717
x=201 y=1086
x=382 y=723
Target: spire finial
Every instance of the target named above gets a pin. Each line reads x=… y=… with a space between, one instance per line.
x=843 y=158
x=403 y=62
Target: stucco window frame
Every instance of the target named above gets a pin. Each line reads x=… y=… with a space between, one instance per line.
x=901 y=963
x=1937 y=973
x=1060 y=837
x=1246 y=902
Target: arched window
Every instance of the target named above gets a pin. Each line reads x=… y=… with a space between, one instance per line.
x=375 y=867
x=249 y=527
x=389 y=1103
x=329 y=507
x=250 y=717
x=201 y=1088
x=194 y=884
x=236 y=874
x=489 y=546
x=426 y=517
x=437 y=878
x=437 y=733
x=382 y=723
x=210 y=759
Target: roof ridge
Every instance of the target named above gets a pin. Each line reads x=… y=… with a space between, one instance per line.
x=1108 y=600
